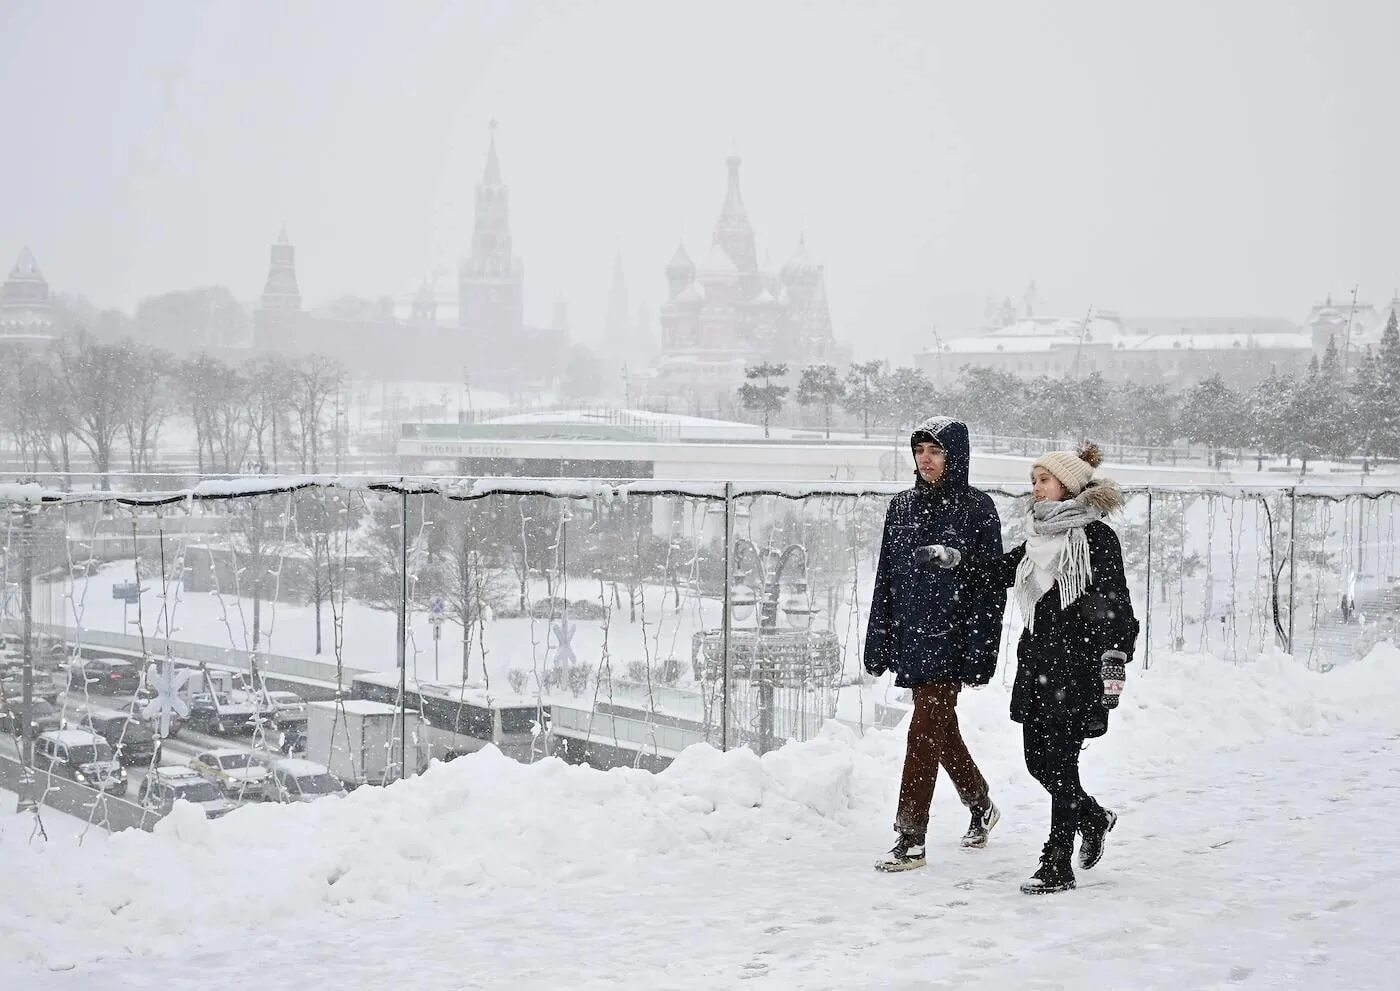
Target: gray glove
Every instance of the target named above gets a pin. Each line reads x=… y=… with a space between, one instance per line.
x=1114 y=674
x=944 y=557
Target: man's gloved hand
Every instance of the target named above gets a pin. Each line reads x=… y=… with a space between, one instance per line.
x=875 y=667
x=1114 y=674
x=944 y=557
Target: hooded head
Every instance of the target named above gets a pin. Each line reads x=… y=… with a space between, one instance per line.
x=951 y=435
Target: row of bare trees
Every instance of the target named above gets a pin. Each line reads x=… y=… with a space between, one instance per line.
x=109 y=403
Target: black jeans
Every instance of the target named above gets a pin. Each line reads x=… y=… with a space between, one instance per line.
x=1052 y=757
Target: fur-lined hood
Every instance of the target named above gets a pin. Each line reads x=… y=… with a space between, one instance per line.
x=1102 y=494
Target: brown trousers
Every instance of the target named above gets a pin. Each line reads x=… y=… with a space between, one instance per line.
x=934 y=739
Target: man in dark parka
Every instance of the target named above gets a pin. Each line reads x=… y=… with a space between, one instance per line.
x=937 y=626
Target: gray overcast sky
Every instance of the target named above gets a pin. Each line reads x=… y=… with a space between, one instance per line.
x=1215 y=158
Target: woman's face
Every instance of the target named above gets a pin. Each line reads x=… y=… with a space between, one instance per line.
x=1046 y=487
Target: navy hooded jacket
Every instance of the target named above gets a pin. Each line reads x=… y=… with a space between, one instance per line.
x=929 y=623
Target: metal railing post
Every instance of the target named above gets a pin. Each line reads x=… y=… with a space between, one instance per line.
x=1147 y=646
x=403 y=635
x=726 y=618
x=1292 y=558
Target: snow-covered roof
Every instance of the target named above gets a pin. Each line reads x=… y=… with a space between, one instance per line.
x=1045 y=343
x=1215 y=342
x=26 y=268
x=300 y=767
x=359 y=707
x=1021 y=344
x=73 y=737
x=1100 y=328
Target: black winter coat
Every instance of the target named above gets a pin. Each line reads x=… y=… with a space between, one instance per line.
x=929 y=623
x=1059 y=666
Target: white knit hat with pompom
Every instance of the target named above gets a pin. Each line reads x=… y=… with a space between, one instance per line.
x=1074 y=469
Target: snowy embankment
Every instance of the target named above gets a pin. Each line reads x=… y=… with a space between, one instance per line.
x=1257 y=844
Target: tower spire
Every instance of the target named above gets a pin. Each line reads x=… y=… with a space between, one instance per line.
x=492 y=176
x=733 y=232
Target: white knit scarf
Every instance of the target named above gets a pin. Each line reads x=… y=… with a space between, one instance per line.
x=1057 y=551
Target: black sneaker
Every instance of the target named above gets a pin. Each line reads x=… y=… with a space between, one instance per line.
x=907 y=854
x=983 y=819
x=1054 y=874
x=1092 y=837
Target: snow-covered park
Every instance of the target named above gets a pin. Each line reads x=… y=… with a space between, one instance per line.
x=1256 y=848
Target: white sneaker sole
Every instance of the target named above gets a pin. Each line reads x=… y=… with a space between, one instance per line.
x=993 y=817
x=896 y=866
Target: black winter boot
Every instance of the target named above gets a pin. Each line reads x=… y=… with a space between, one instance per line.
x=983 y=819
x=907 y=854
x=1054 y=874
x=1092 y=836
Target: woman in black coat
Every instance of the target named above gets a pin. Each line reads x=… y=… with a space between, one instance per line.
x=1079 y=633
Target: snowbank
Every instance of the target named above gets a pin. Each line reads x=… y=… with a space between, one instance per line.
x=489 y=825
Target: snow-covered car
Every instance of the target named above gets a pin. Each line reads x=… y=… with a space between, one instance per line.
x=132 y=739
x=165 y=786
x=297 y=780
x=237 y=772
x=43 y=715
x=108 y=675
x=81 y=756
x=219 y=713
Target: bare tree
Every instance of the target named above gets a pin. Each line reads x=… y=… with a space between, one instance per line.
x=99 y=380
x=272 y=383
x=318 y=378
x=324 y=519
x=148 y=405
x=259 y=537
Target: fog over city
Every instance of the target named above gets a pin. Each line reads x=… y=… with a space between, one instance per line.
x=575 y=494
x=1196 y=159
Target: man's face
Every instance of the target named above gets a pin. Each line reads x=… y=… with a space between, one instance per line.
x=930 y=459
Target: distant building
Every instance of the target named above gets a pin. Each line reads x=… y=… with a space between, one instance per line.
x=490 y=344
x=728 y=313
x=1176 y=352
x=1359 y=327
x=26 y=313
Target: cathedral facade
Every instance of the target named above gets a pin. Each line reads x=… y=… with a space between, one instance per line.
x=727 y=313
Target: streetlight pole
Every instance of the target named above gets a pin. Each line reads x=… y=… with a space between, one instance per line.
x=28 y=799
x=761 y=674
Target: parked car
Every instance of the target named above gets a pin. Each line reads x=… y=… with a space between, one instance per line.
x=215 y=712
x=108 y=675
x=43 y=715
x=297 y=780
x=165 y=786
x=133 y=741
x=82 y=756
x=237 y=772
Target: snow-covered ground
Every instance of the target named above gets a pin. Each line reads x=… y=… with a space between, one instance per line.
x=63 y=830
x=1256 y=848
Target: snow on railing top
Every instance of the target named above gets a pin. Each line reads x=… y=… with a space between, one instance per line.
x=466 y=489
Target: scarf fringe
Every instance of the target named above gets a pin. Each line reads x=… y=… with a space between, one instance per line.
x=1073 y=572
